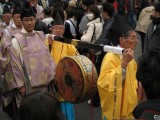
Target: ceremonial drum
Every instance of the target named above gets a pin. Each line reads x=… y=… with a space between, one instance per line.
x=76 y=78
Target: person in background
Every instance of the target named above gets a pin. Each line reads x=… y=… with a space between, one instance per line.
x=8 y=76
x=94 y=26
x=2 y=4
x=16 y=25
x=85 y=20
x=40 y=106
x=143 y=22
x=64 y=4
x=152 y=36
x=148 y=76
x=40 y=25
x=107 y=15
x=99 y=5
x=39 y=9
x=70 y=24
x=117 y=83
x=43 y=3
x=7 y=16
x=78 y=15
x=72 y=4
x=47 y=16
x=130 y=9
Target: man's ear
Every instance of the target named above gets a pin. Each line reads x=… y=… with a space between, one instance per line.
x=141 y=93
x=158 y=14
x=121 y=40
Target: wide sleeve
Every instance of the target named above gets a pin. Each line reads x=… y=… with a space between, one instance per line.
x=72 y=50
x=110 y=86
x=17 y=63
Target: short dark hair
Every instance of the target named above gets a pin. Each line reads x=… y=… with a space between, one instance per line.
x=111 y=1
x=70 y=12
x=88 y=2
x=148 y=73
x=47 y=11
x=108 y=7
x=40 y=106
x=157 y=7
x=94 y=9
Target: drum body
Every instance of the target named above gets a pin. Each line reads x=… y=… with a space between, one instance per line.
x=76 y=78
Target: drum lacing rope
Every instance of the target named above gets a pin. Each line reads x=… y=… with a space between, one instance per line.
x=91 y=107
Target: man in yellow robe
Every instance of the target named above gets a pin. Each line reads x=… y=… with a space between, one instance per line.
x=58 y=51
x=117 y=82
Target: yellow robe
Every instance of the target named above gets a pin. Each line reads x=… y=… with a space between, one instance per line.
x=60 y=50
x=117 y=100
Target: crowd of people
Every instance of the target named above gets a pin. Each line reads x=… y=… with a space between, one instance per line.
x=29 y=55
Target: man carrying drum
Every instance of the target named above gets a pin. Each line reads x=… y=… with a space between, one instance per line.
x=117 y=81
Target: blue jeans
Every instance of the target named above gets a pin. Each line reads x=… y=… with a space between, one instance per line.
x=132 y=18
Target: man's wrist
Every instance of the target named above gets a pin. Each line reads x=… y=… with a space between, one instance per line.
x=124 y=65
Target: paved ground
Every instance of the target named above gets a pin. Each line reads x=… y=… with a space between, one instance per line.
x=83 y=111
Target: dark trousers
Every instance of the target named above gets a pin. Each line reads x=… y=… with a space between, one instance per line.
x=142 y=35
x=98 y=60
x=12 y=109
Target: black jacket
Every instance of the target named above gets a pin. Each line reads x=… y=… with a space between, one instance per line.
x=41 y=26
x=149 y=110
x=152 y=38
x=106 y=26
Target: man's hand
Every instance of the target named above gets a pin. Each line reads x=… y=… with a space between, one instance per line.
x=50 y=39
x=128 y=55
x=141 y=93
x=22 y=91
x=1 y=35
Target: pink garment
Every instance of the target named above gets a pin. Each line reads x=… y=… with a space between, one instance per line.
x=5 y=66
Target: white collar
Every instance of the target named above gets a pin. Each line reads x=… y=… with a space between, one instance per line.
x=4 y=24
x=13 y=25
x=24 y=31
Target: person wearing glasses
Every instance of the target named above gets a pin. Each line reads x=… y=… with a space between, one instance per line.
x=117 y=81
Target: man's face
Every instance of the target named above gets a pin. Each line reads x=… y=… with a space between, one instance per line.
x=6 y=18
x=17 y=20
x=131 y=41
x=29 y=23
x=104 y=15
x=34 y=2
x=155 y=14
x=58 y=30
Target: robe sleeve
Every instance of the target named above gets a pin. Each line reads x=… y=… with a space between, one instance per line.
x=17 y=63
x=110 y=86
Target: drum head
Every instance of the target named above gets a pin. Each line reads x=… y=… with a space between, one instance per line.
x=76 y=78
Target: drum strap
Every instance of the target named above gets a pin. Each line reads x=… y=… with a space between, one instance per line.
x=93 y=33
x=91 y=107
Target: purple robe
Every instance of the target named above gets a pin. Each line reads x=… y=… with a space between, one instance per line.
x=39 y=65
x=6 y=75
